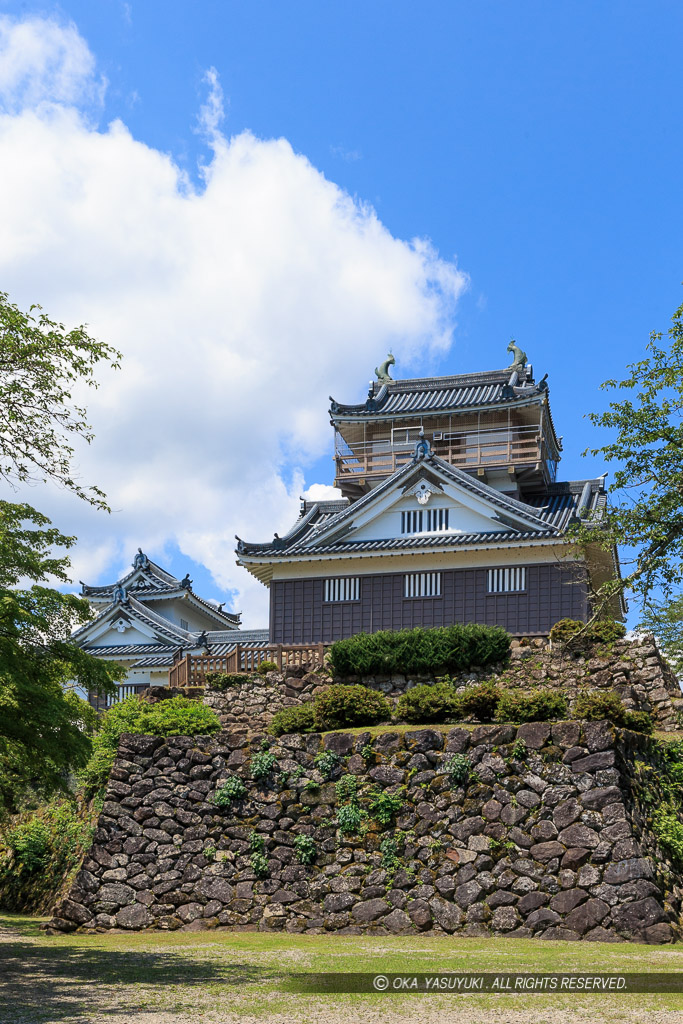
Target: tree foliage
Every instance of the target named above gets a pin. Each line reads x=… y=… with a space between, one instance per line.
x=645 y=512
x=44 y=726
x=40 y=364
x=665 y=620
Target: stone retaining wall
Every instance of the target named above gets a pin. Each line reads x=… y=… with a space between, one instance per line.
x=634 y=668
x=547 y=838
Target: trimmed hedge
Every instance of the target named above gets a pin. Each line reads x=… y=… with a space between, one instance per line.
x=480 y=701
x=594 y=707
x=222 y=681
x=575 y=634
x=298 y=718
x=531 y=706
x=420 y=651
x=429 y=704
x=340 y=706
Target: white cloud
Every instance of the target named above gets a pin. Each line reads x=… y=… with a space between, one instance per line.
x=239 y=308
x=42 y=62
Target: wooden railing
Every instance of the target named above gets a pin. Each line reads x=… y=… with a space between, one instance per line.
x=465 y=450
x=193 y=668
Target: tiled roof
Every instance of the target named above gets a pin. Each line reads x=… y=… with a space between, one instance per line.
x=155 y=583
x=220 y=641
x=437 y=394
x=547 y=515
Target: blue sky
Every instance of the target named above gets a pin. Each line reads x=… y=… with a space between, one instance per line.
x=537 y=145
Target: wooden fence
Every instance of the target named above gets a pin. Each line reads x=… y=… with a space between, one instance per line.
x=193 y=668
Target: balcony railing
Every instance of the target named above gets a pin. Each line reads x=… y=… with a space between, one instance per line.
x=192 y=669
x=466 y=450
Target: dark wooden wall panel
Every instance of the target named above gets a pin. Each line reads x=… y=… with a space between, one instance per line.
x=298 y=613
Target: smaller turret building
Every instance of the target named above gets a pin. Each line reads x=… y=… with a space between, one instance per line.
x=149 y=618
x=451 y=512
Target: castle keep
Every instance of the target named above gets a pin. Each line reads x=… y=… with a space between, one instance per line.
x=451 y=511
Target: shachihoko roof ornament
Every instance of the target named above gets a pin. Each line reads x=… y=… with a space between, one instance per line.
x=382 y=371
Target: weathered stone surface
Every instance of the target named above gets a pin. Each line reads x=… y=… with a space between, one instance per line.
x=534 y=734
x=575 y=857
x=370 y=910
x=397 y=922
x=505 y=919
x=446 y=915
x=627 y=870
x=567 y=900
x=586 y=916
x=579 y=835
x=336 y=902
x=594 y=762
x=636 y=917
x=74 y=912
x=542 y=918
x=117 y=893
x=566 y=813
x=546 y=851
x=134 y=917
x=216 y=889
x=596 y=799
x=420 y=914
x=468 y=893
x=532 y=901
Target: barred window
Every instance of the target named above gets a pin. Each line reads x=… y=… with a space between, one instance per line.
x=422 y=584
x=433 y=520
x=506 y=581
x=183 y=624
x=437 y=519
x=347 y=588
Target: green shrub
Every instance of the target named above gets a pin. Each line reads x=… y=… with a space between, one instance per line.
x=267 y=666
x=326 y=763
x=257 y=843
x=669 y=831
x=575 y=634
x=304 y=848
x=429 y=704
x=224 y=680
x=30 y=843
x=347 y=789
x=231 y=789
x=350 y=818
x=368 y=753
x=261 y=764
x=531 y=706
x=178 y=716
x=209 y=852
x=458 y=769
x=389 y=848
x=480 y=701
x=259 y=865
x=383 y=806
x=596 y=705
x=420 y=651
x=295 y=719
x=340 y=706
x=640 y=721
x=42 y=852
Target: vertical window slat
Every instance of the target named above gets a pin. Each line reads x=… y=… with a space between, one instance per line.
x=342 y=588
x=508 y=580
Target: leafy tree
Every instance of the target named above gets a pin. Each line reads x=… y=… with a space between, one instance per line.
x=645 y=512
x=44 y=725
x=665 y=620
x=40 y=363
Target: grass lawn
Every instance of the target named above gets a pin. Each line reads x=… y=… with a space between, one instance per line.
x=211 y=977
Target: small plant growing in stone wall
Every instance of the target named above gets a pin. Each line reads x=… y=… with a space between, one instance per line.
x=232 y=789
x=258 y=859
x=458 y=769
x=267 y=666
x=305 y=850
x=221 y=681
x=383 y=805
x=326 y=763
x=261 y=764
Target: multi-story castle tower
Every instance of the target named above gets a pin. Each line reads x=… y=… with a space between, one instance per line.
x=451 y=512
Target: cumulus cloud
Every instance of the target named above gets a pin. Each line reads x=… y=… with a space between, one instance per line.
x=239 y=307
x=43 y=62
